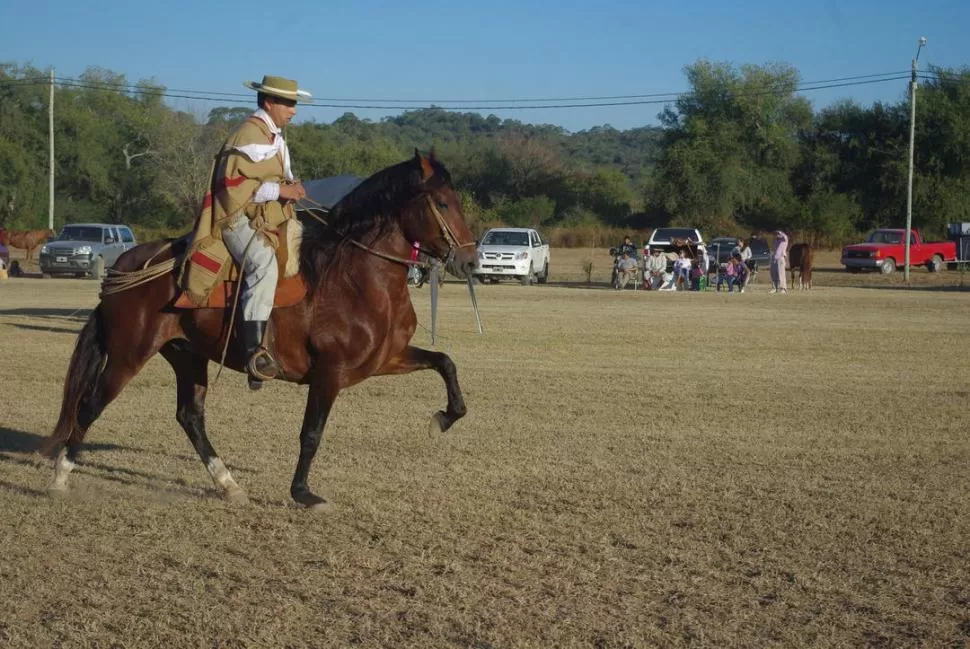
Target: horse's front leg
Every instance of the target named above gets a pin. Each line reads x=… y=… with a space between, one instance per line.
x=415 y=358
x=319 y=401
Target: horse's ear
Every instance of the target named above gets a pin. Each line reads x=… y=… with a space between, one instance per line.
x=431 y=155
x=427 y=170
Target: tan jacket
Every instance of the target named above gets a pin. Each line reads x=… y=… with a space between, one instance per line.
x=233 y=181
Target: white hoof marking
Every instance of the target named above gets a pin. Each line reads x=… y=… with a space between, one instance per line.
x=62 y=469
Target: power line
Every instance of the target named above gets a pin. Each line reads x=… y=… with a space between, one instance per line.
x=583 y=102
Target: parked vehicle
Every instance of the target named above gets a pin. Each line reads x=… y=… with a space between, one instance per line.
x=885 y=250
x=5 y=256
x=665 y=238
x=82 y=249
x=719 y=249
x=513 y=253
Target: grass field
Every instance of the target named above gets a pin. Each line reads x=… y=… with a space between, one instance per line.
x=637 y=469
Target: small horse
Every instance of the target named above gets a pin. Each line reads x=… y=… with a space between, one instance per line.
x=801 y=256
x=355 y=321
x=27 y=240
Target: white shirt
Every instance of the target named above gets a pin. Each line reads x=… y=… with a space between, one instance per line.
x=268 y=191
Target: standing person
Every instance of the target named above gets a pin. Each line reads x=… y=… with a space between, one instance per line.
x=628 y=247
x=415 y=276
x=250 y=196
x=779 y=257
x=703 y=267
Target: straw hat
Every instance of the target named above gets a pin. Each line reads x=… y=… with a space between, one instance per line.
x=278 y=87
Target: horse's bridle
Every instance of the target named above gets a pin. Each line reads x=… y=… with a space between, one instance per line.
x=449 y=235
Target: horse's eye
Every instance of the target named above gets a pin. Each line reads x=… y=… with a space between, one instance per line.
x=443 y=207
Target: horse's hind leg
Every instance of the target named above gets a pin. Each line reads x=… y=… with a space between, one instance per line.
x=107 y=386
x=415 y=358
x=191 y=375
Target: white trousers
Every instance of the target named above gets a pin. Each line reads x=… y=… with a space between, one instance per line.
x=659 y=282
x=259 y=269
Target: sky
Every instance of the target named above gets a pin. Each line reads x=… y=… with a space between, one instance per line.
x=433 y=51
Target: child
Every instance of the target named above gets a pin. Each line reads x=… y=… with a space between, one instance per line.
x=729 y=275
x=682 y=270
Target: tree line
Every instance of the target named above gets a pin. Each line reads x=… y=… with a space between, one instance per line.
x=740 y=151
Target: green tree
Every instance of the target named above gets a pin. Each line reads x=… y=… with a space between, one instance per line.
x=730 y=144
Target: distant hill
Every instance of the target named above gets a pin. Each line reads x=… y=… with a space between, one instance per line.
x=634 y=151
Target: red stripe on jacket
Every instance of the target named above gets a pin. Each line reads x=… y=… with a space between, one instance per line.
x=221 y=185
x=205 y=261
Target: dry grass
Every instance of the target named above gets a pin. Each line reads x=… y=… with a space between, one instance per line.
x=636 y=469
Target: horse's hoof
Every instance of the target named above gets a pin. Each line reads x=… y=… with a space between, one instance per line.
x=237 y=496
x=311 y=501
x=57 y=491
x=438 y=424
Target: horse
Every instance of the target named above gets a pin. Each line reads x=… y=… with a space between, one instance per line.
x=801 y=256
x=355 y=321
x=28 y=240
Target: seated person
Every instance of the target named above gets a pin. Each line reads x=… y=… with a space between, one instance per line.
x=655 y=274
x=728 y=275
x=696 y=274
x=682 y=266
x=626 y=269
x=744 y=274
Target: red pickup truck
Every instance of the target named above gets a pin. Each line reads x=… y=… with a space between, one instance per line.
x=885 y=250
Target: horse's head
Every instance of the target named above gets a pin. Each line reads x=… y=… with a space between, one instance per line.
x=437 y=221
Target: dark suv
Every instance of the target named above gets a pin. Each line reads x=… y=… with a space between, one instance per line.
x=720 y=249
x=85 y=248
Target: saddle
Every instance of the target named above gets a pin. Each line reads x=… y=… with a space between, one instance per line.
x=290 y=289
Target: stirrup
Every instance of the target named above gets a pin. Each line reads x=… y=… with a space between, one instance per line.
x=255 y=374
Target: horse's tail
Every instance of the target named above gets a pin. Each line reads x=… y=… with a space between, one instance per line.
x=81 y=381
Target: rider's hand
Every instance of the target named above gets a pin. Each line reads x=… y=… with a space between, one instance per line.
x=292 y=191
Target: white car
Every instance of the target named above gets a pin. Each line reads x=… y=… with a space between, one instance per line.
x=513 y=253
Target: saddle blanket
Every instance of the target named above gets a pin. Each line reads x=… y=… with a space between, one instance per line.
x=289 y=291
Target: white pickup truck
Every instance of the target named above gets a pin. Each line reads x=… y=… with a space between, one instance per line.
x=513 y=253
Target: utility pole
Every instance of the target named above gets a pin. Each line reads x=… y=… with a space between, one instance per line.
x=50 y=136
x=912 y=139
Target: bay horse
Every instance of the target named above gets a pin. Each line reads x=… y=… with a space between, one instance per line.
x=801 y=256
x=27 y=240
x=355 y=321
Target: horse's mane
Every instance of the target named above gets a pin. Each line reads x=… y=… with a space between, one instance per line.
x=365 y=214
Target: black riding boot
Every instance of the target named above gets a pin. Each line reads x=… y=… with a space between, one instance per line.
x=259 y=364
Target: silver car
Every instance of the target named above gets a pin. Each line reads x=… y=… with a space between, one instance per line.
x=82 y=249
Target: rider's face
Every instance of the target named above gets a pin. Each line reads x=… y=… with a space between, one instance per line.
x=281 y=111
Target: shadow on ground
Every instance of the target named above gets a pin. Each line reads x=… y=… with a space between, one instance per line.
x=81 y=315
x=19 y=441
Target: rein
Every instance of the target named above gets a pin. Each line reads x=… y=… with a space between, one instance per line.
x=446 y=231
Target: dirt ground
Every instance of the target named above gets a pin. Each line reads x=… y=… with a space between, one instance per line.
x=637 y=469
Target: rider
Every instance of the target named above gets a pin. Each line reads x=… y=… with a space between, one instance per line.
x=252 y=190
